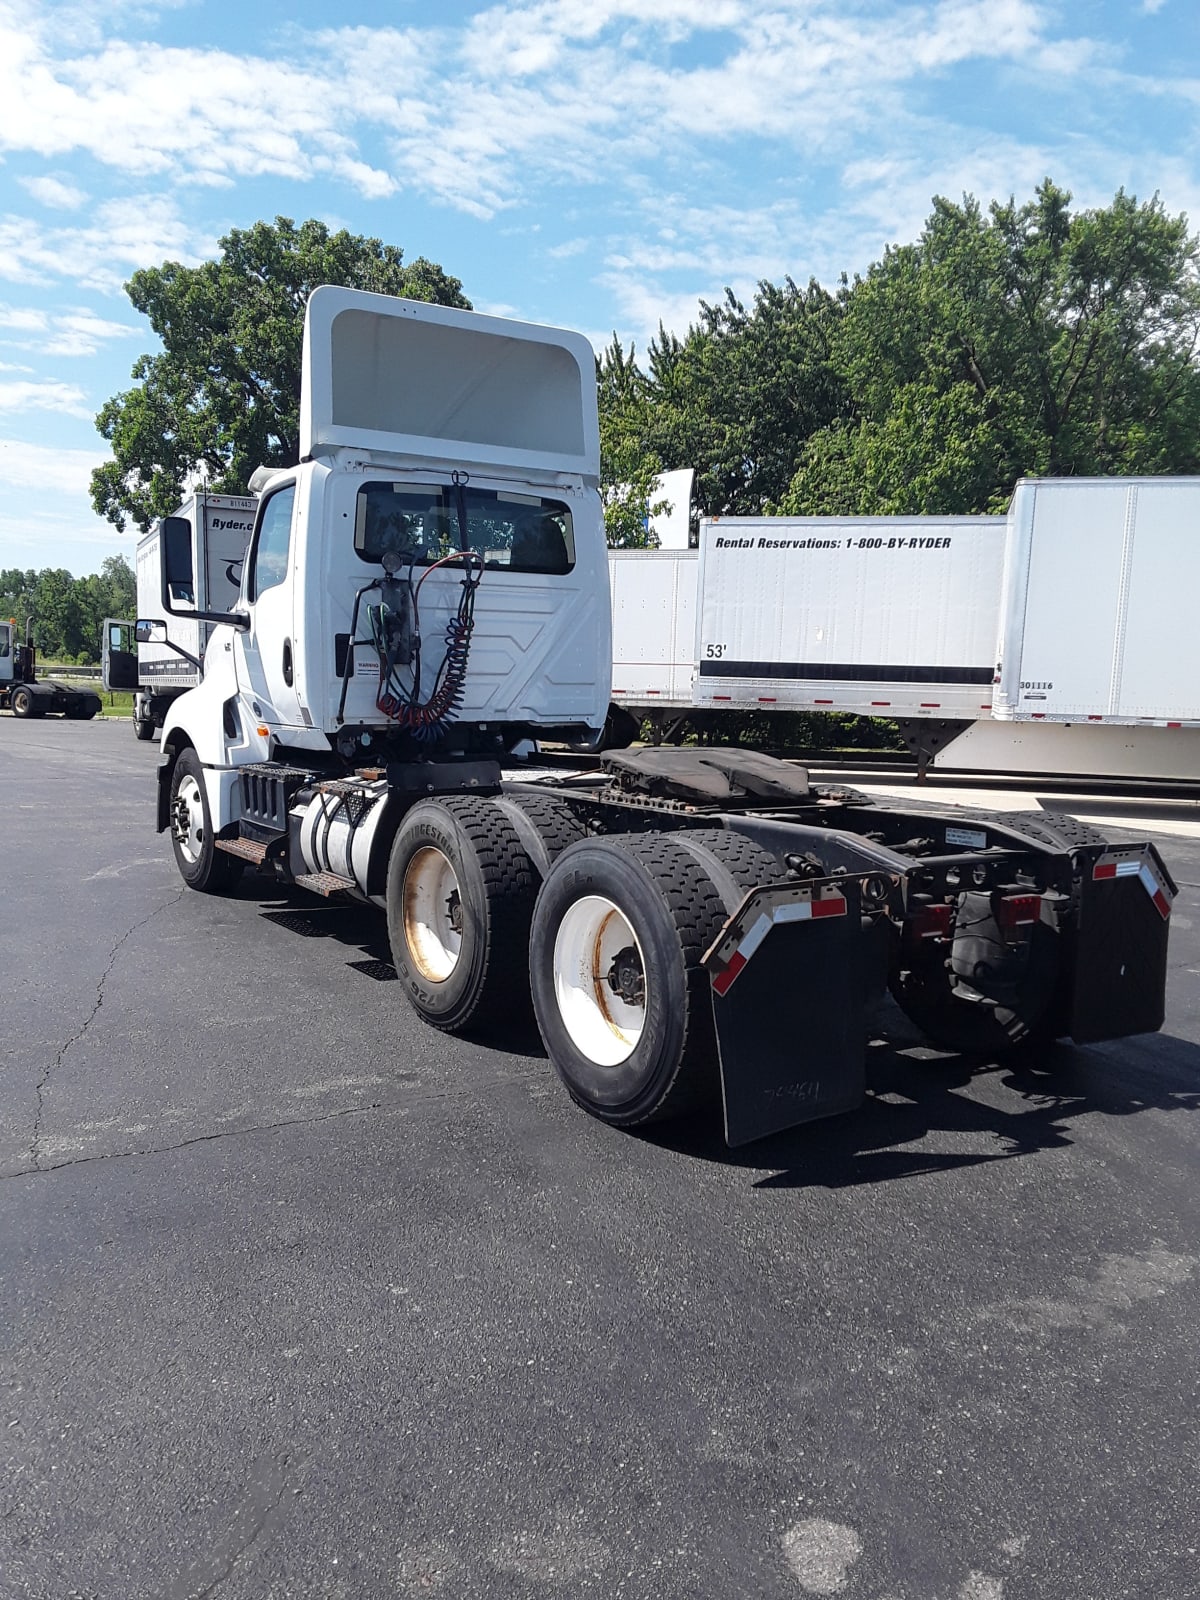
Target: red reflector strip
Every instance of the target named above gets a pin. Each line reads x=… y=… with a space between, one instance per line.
x=881 y=702
x=1095 y=719
x=724 y=980
x=796 y=911
x=822 y=702
x=1156 y=892
x=722 y=697
x=1174 y=724
x=931 y=705
x=766 y=699
x=1139 y=867
x=985 y=708
x=834 y=907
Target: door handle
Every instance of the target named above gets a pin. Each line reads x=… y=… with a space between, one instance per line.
x=288 y=673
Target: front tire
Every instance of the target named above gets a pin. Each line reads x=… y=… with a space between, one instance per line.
x=143 y=728
x=620 y=997
x=24 y=703
x=460 y=894
x=201 y=865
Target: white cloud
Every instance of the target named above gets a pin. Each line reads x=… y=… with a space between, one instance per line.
x=54 y=193
x=82 y=333
x=25 y=318
x=120 y=236
x=36 y=466
x=44 y=396
x=536 y=90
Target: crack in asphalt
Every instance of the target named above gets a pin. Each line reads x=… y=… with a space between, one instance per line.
x=261 y=1501
x=44 y=1079
x=199 y=1138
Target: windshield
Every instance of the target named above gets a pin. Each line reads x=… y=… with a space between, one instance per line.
x=422 y=523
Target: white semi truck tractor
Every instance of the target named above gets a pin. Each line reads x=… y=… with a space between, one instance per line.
x=425 y=594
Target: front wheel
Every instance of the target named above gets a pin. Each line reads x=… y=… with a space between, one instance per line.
x=24 y=703
x=201 y=865
x=620 y=996
x=143 y=728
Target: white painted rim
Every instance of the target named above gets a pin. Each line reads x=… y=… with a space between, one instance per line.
x=188 y=821
x=429 y=897
x=602 y=1026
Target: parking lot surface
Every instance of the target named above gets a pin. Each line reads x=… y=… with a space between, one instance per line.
x=300 y=1298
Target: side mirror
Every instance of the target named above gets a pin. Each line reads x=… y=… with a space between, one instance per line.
x=178 y=579
x=149 y=631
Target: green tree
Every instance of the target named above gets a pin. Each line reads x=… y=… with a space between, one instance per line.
x=628 y=467
x=740 y=394
x=1029 y=341
x=223 y=396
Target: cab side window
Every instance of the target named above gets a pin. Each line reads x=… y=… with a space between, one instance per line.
x=273 y=542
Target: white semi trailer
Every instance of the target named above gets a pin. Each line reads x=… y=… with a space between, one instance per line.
x=167 y=661
x=1034 y=642
x=425 y=591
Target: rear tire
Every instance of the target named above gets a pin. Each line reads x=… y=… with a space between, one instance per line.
x=545 y=825
x=460 y=894
x=201 y=865
x=620 y=997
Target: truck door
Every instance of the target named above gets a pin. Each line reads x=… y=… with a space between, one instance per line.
x=6 y=653
x=265 y=652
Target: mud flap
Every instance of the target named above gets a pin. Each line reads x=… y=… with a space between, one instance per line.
x=1120 y=978
x=790 y=972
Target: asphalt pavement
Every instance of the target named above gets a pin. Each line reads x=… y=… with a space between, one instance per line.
x=300 y=1298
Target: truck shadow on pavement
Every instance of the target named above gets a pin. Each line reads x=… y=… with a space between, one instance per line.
x=934 y=1100
x=355 y=926
x=915 y=1095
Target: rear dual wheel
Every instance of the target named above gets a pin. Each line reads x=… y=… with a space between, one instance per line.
x=621 y=998
x=462 y=880
x=611 y=946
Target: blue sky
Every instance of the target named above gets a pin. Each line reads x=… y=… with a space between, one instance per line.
x=601 y=164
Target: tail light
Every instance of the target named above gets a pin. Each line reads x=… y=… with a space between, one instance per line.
x=1018 y=911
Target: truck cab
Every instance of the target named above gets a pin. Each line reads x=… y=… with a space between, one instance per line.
x=431 y=575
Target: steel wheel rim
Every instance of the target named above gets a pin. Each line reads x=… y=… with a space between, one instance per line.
x=188 y=819
x=602 y=1025
x=432 y=907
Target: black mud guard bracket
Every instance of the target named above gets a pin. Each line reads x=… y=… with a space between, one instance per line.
x=166 y=768
x=1119 y=982
x=791 y=974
